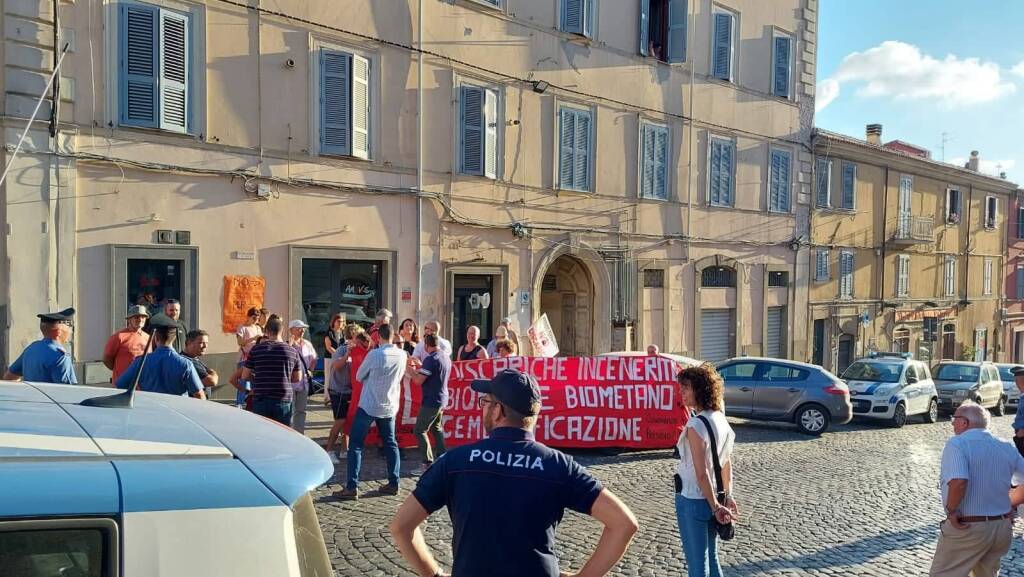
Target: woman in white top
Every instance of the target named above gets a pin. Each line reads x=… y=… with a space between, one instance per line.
x=701 y=389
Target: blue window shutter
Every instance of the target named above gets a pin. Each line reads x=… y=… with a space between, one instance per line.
x=714 y=173
x=335 y=112
x=661 y=152
x=722 y=61
x=728 y=170
x=645 y=24
x=573 y=16
x=566 y=131
x=782 y=58
x=472 y=112
x=677 y=30
x=174 y=71
x=646 y=161
x=490 y=134
x=1020 y=283
x=824 y=182
x=778 y=200
x=721 y=169
x=581 y=170
x=360 y=107
x=138 y=39
x=849 y=182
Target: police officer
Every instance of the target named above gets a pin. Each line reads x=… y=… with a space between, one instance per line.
x=164 y=371
x=45 y=360
x=506 y=495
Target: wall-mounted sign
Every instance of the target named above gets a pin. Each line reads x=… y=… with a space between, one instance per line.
x=243 y=255
x=524 y=298
x=406 y=294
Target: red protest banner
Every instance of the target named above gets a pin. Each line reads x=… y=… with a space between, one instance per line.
x=626 y=402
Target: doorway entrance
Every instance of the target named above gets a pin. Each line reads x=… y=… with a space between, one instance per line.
x=473 y=305
x=567 y=297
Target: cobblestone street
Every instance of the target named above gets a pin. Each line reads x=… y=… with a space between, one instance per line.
x=861 y=500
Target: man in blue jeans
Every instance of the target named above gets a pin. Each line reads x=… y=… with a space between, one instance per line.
x=272 y=366
x=381 y=375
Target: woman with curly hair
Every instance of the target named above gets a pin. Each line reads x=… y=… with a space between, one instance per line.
x=697 y=502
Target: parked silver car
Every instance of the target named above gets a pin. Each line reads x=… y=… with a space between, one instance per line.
x=1009 y=385
x=789 y=391
x=958 y=381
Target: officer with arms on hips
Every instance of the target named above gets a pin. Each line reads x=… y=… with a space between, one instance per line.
x=165 y=371
x=46 y=360
x=506 y=495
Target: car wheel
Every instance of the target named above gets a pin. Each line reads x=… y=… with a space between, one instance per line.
x=1000 y=409
x=899 y=416
x=933 y=412
x=812 y=419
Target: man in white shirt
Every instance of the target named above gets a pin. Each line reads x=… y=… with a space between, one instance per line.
x=444 y=345
x=381 y=375
x=976 y=472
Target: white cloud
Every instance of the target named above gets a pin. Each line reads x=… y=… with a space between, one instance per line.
x=1018 y=69
x=990 y=167
x=827 y=91
x=901 y=71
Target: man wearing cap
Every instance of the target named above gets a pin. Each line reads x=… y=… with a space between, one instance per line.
x=1018 y=420
x=506 y=495
x=172 y=315
x=126 y=344
x=163 y=370
x=46 y=360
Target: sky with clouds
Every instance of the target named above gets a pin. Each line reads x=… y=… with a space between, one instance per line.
x=924 y=67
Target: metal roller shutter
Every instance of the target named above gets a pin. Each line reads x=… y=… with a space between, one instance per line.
x=716 y=334
x=774 y=337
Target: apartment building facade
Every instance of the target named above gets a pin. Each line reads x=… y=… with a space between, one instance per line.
x=1013 y=304
x=640 y=183
x=906 y=254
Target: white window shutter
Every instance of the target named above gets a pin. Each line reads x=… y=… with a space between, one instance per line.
x=821 y=265
x=646 y=161
x=335 y=110
x=846 y=274
x=472 y=128
x=566 y=132
x=903 y=276
x=139 y=49
x=490 y=134
x=662 y=149
x=360 y=107
x=174 y=71
x=721 y=65
x=677 y=17
x=645 y=24
x=581 y=170
x=987 y=284
x=824 y=183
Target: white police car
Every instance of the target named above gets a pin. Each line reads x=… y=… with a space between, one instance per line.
x=892 y=386
x=159 y=486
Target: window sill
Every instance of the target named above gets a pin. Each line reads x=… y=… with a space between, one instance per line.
x=344 y=157
x=483 y=6
x=838 y=210
x=162 y=132
x=651 y=199
x=572 y=192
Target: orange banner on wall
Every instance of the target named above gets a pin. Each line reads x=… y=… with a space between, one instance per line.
x=240 y=294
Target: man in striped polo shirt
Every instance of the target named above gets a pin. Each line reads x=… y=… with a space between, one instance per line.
x=977 y=470
x=272 y=366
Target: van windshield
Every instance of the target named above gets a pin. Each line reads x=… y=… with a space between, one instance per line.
x=962 y=373
x=873 y=371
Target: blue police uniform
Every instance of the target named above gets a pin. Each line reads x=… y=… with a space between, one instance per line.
x=505 y=496
x=165 y=372
x=45 y=361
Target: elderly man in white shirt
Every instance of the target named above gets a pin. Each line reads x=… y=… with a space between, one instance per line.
x=444 y=345
x=975 y=478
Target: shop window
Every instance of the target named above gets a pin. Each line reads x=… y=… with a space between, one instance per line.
x=351 y=287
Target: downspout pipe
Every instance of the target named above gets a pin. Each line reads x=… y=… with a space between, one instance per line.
x=419 y=161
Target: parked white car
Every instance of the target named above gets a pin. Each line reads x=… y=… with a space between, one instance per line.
x=892 y=386
x=1009 y=385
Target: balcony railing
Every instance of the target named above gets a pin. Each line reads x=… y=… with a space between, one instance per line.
x=913 y=229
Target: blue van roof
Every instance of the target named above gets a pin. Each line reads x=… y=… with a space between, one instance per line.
x=72 y=459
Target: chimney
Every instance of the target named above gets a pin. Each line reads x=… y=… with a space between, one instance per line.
x=874 y=134
x=974 y=162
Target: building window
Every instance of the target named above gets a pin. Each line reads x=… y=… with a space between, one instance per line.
x=351 y=287
x=823 y=188
x=987 y=278
x=949 y=277
x=901 y=341
x=654 y=278
x=575 y=144
x=1020 y=282
x=778 y=278
x=578 y=17
x=722 y=49
x=990 y=211
x=663 y=29
x=849 y=196
x=821 y=272
x=478 y=131
x=718 y=277
x=655 y=146
x=781 y=66
x=846 y=275
x=344 y=104
x=155 y=51
x=952 y=206
x=778 y=180
x=1020 y=222
x=721 y=167
x=903 y=275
